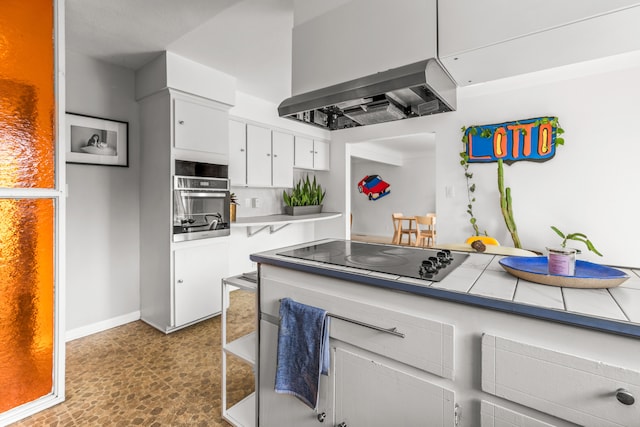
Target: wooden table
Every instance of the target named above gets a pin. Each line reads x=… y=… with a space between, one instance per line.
x=397 y=237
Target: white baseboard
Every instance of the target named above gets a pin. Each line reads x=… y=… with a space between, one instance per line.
x=101 y=326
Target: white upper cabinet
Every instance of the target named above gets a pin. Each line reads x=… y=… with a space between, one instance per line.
x=303 y=153
x=482 y=41
x=258 y=156
x=311 y=154
x=200 y=125
x=320 y=155
x=237 y=153
x=282 y=159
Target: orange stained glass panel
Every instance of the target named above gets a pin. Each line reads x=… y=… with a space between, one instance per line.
x=27 y=232
x=27 y=95
x=26 y=300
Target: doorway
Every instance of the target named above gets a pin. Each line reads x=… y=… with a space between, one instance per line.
x=407 y=165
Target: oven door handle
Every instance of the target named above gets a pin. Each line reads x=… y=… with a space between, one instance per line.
x=214 y=194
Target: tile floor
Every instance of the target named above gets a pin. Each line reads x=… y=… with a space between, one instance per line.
x=136 y=375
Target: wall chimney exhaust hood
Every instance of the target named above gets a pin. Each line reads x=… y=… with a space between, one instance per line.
x=362 y=62
x=413 y=90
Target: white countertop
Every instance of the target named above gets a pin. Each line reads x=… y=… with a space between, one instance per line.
x=481 y=281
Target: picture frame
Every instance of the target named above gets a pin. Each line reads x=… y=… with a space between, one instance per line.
x=96 y=141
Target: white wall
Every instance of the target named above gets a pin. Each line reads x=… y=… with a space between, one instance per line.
x=102 y=208
x=589 y=187
x=412 y=192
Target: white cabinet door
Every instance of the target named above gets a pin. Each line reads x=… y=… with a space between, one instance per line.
x=258 y=156
x=282 y=409
x=303 y=156
x=492 y=415
x=320 y=155
x=282 y=152
x=311 y=154
x=200 y=126
x=237 y=153
x=198 y=272
x=373 y=393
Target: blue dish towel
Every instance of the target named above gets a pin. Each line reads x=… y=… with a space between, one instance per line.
x=303 y=350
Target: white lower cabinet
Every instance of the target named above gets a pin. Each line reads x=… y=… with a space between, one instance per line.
x=452 y=364
x=577 y=389
x=387 y=368
x=361 y=390
x=370 y=392
x=198 y=272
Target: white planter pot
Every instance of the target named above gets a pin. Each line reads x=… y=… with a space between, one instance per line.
x=562 y=261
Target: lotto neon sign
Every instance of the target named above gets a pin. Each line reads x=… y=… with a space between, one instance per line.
x=531 y=139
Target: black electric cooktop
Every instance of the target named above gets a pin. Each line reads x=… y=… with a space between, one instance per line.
x=419 y=263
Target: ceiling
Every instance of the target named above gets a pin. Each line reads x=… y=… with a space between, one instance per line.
x=248 y=39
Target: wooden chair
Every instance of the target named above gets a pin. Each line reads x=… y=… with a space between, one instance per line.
x=426 y=230
x=399 y=230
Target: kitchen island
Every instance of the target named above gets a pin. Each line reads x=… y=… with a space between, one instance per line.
x=479 y=347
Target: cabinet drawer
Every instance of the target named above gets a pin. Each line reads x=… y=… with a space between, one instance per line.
x=427 y=344
x=573 y=388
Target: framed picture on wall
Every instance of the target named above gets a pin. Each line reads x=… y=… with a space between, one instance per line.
x=96 y=141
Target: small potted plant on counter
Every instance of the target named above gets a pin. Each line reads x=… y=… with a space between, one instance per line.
x=305 y=198
x=562 y=260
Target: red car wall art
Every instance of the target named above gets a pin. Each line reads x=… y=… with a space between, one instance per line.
x=374 y=187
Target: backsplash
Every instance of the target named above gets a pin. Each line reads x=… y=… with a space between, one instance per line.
x=256 y=201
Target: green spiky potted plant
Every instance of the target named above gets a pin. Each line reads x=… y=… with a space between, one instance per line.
x=305 y=198
x=562 y=260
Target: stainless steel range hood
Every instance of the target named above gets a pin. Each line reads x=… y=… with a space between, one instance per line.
x=414 y=90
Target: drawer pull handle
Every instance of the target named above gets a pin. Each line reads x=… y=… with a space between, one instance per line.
x=342 y=424
x=392 y=331
x=322 y=416
x=625 y=397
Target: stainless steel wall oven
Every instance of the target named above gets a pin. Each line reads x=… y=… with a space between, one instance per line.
x=200 y=203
